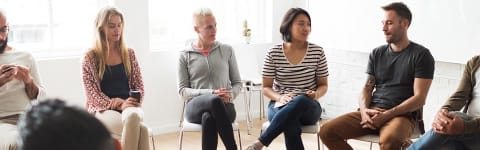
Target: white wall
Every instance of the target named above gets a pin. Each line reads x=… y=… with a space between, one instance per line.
x=449 y=28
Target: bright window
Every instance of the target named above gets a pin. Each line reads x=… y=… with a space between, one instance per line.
x=171 y=24
x=51 y=28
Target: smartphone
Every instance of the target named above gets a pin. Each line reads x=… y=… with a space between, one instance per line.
x=6 y=70
x=135 y=94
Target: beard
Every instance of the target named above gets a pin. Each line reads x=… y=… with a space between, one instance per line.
x=393 y=38
x=3 y=45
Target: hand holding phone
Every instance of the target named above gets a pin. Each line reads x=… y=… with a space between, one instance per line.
x=7 y=69
x=135 y=94
x=7 y=73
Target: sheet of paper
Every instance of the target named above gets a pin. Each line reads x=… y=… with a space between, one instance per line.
x=278 y=104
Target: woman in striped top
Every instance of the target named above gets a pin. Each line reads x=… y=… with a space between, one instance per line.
x=294 y=77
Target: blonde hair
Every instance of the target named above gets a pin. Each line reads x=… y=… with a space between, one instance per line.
x=101 y=44
x=200 y=13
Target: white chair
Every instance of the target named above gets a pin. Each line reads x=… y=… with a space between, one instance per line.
x=150 y=134
x=257 y=86
x=186 y=126
x=248 y=88
x=417 y=131
x=246 y=91
x=311 y=129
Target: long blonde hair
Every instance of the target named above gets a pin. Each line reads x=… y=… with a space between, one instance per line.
x=101 y=44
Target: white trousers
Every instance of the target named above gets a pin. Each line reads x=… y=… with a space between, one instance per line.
x=8 y=136
x=127 y=126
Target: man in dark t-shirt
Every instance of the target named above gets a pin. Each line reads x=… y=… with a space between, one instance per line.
x=399 y=76
x=395 y=73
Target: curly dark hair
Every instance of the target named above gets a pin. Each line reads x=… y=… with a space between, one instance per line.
x=52 y=125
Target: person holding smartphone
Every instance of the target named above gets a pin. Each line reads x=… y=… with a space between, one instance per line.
x=208 y=79
x=19 y=85
x=294 y=78
x=110 y=71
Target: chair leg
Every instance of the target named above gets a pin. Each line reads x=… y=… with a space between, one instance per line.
x=260 y=104
x=318 y=142
x=239 y=139
x=181 y=139
x=153 y=142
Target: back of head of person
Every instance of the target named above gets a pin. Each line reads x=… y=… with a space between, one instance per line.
x=52 y=125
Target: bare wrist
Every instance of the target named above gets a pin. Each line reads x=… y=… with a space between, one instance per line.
x=29 y=81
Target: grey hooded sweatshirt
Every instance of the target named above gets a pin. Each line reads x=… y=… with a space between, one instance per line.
x=199 y=74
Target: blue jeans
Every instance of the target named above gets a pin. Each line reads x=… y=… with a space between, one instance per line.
x=302 y=110
x=432 y=140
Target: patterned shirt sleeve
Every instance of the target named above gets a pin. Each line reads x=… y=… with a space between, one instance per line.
x=96 y=99
x=135 y=79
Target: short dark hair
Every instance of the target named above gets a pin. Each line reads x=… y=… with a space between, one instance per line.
x=288 y=21
x=51 y=125
x=401 y=9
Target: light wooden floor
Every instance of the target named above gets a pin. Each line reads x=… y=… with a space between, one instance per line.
x=192 y=140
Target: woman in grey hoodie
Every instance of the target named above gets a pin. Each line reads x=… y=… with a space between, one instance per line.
x=208 y=79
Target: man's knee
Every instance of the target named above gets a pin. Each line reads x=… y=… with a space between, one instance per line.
x=391 y=142
x=327 y=130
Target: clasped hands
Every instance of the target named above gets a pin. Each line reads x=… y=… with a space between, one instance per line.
x=224 y=93
x=122 y=104
x=448 y=123
x=372 y=118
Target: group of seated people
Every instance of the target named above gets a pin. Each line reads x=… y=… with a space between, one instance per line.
x=113 y=86
x=399 y=75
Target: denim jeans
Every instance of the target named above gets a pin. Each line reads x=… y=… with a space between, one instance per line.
x=302 y=110
x=433 y=140
x=216 y=118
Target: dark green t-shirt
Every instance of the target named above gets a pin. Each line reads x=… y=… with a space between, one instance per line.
x=395 y=72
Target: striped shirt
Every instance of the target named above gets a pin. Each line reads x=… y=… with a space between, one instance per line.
x=295 y=78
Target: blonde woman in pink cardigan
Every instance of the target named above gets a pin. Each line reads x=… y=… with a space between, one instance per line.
x=110 y=71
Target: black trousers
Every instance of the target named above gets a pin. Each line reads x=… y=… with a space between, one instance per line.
x=216 y=118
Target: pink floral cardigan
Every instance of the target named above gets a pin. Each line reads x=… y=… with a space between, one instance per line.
x=96 y=99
